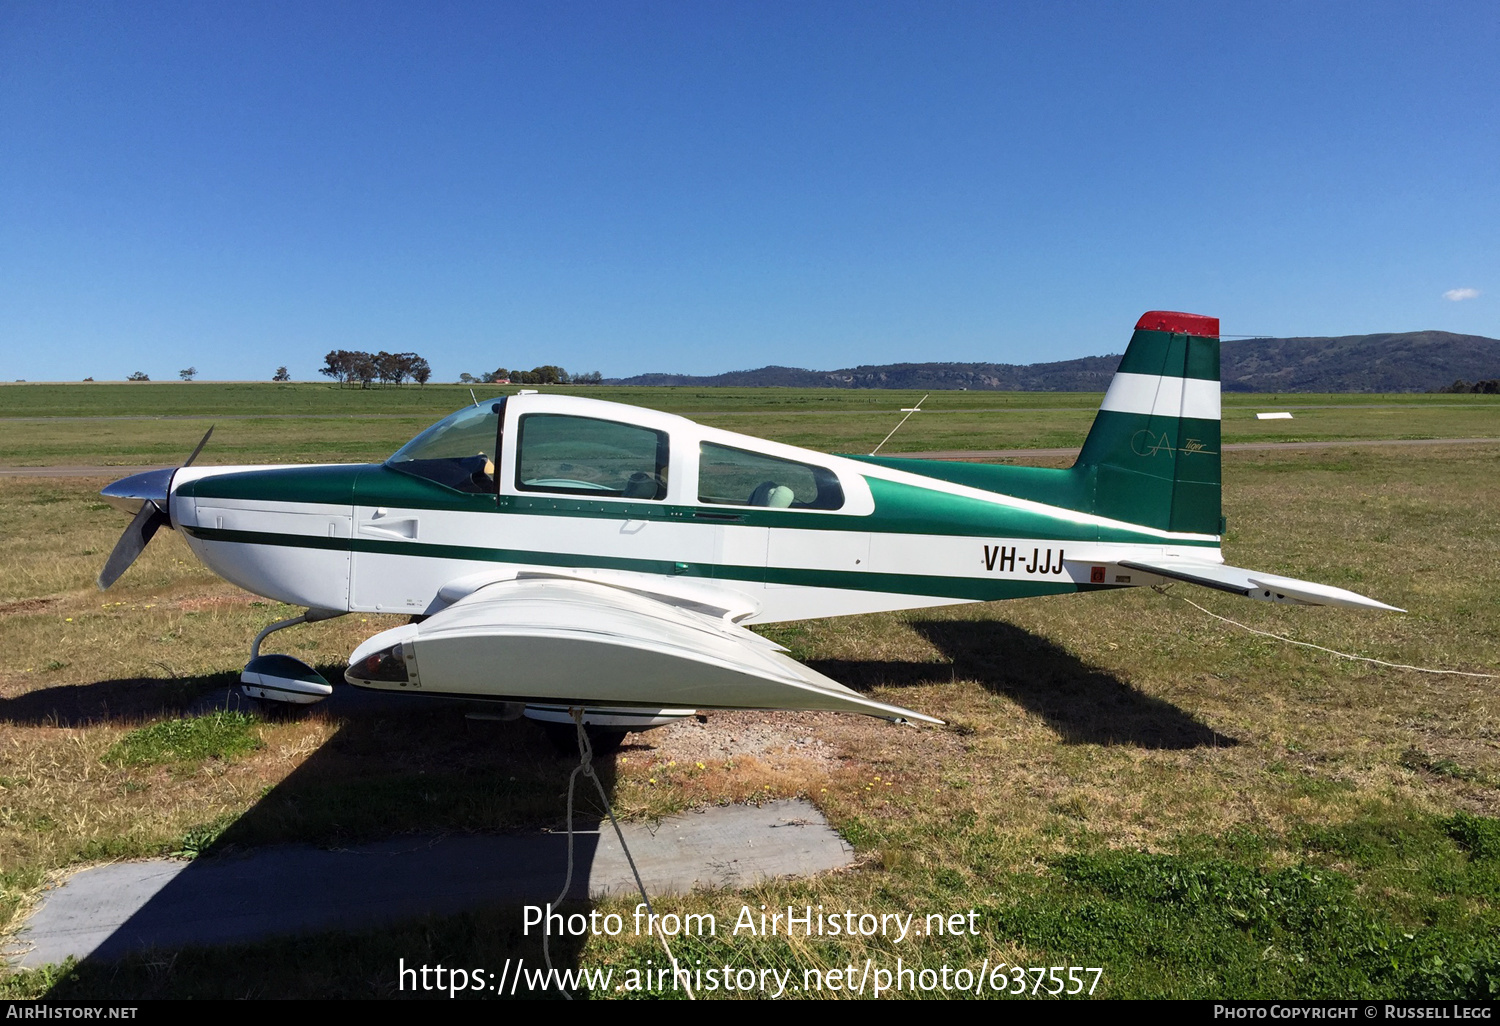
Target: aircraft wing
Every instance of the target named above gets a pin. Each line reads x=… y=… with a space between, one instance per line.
x=1254 y=584
x=560 y=640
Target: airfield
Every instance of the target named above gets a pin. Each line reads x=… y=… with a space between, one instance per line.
x=1124 y=782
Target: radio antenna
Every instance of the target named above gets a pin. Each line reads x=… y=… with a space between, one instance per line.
x=908 y=410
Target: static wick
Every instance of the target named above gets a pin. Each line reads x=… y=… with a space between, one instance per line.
x=473 y=397
x=908 y=410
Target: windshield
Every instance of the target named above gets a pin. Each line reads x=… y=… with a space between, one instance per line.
x=458 y=451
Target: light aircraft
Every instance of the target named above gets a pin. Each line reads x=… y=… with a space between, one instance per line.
x=559 y=553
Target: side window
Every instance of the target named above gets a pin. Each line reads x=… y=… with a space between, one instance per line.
x=734 y=477
x=584 y=456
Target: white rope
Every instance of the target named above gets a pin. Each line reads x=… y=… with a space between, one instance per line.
x=1341 y=655
x=585 y=760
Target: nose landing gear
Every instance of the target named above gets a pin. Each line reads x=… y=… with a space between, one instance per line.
x=282 y=679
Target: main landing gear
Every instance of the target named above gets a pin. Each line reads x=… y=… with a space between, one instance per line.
x=606 y=727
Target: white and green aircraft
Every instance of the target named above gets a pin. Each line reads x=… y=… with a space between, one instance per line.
x=562 y=553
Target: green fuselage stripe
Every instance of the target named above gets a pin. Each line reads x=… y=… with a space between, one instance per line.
x=977 y=589
x=900 y=508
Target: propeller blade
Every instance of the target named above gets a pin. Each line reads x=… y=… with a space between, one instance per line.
x=154 y=492
x=131 y=543
x=201 y=444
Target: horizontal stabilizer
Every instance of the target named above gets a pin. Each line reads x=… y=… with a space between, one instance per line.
x=1254 y=584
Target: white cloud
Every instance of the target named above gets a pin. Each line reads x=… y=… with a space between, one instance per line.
x=1454 y=295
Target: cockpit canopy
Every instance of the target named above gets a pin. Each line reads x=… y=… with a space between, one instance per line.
x=596 y=450
x=460 y=451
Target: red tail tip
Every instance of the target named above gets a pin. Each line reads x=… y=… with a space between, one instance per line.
x=1180 y=323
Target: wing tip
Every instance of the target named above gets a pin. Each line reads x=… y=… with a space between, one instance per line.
x=906 y=721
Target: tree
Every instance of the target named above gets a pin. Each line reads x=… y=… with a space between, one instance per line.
x=406 y=365
x=363 y=369
x=548 y=374
x=1489 y=386
x=498 y=376
x=282 y=374
x=336 y=365
x=420 y=370
x=388 y=367
x=467 y=379
x=138 y=376
x=348 y=366
x=188 y=374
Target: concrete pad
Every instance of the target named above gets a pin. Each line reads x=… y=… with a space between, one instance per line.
x=110 y=910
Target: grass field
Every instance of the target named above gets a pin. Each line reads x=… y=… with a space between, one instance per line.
x=1124 y=782
x=49 y=425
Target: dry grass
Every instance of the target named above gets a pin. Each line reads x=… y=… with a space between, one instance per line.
x=1077 y=724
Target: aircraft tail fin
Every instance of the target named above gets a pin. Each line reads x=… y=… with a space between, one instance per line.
x=1153 y=452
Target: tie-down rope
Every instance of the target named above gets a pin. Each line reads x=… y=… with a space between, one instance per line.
x=1330 y=651
x=585 y=766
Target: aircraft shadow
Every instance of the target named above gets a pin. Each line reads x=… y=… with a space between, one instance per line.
x=1083 y=703
x=411 y=834
x=395 y=827
x=128 y=700
x=125 y=700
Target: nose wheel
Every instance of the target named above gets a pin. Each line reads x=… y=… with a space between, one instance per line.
x=279 y=680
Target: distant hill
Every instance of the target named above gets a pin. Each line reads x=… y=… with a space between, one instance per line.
x=1092 y=373
x=1414 y=361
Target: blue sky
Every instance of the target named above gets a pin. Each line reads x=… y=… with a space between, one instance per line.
x=701 y=187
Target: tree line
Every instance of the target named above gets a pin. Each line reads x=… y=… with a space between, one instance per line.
x=1488 y=386
x=352 y=367
x=545 y=375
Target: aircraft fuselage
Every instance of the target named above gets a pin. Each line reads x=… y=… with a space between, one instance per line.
x=376 y=538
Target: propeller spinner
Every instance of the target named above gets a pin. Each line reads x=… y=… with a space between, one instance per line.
x=146 y=496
